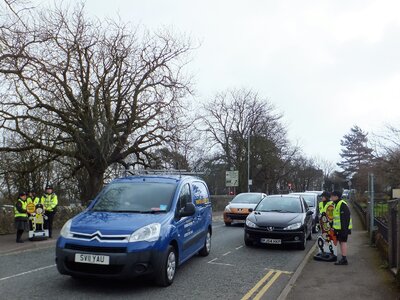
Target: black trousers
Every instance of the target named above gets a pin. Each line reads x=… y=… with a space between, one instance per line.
x=49 y=222
x=19 y=234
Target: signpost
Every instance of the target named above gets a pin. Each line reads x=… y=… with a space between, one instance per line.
x=232 y=178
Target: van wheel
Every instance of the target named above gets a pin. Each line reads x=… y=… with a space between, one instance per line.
x=207 y=245
x=228 y=223
x=166 y=272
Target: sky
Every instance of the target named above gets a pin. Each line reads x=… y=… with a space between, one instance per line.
x=326 y=65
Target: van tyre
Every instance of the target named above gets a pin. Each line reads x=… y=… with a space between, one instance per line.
x=228 y=223
x=166 y=271
x=207 y=245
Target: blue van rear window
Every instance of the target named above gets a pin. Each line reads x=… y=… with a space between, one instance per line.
x=136 y=197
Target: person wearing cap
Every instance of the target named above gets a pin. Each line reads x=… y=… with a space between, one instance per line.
x=342 y=224
x=20 y=216
x=50 y=202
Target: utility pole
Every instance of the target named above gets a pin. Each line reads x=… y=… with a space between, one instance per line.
x=248 y=163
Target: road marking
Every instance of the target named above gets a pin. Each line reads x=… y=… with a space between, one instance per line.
x=258 y=285
x=265 y=284
x=27 y=272
x=212 y=262
x=283 y=272
x=237 y=248
x=225 y=254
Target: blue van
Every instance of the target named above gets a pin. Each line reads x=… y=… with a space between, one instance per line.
x=138 y=225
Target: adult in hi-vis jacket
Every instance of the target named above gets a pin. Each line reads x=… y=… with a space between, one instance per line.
x=50 y=202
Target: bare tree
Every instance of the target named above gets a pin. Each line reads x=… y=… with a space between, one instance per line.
x=236 y=115
x=325 y=165
x=95 y=92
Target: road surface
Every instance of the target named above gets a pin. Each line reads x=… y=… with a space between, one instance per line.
x=231 y=271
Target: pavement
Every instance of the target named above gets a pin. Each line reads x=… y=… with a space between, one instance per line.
x=366 y=276
x=8 y=244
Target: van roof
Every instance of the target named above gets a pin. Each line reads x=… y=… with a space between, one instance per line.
x=155 y=178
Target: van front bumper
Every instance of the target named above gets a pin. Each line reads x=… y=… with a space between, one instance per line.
x=121 y=264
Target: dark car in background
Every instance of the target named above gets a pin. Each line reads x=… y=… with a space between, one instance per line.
x=279 y=220
x=312 y=202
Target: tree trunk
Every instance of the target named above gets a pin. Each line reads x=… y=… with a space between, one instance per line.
x=92 y=186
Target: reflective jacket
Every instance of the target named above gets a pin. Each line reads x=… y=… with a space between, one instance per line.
x=337 y=223
x=20 y=209
x=323 y=206
x=50 y=202
x=35 y=200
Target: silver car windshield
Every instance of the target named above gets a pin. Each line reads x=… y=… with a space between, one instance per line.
x=247 y=198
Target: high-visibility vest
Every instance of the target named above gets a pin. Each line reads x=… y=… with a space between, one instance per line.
x=323 y=206
x=35 y=201
x=336 y=216
x=18 y=214
x=50 y=201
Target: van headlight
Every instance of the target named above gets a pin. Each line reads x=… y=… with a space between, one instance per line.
x=149 y=233
x=227 y=209
x=293 y=226
x=66 y=229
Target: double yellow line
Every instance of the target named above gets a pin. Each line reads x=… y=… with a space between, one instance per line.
x=264 y=288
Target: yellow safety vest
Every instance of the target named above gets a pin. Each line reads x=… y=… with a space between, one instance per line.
x=323 y=206
x=18 y=214
x=50 y=201
x=35 y=201
x=336 y=216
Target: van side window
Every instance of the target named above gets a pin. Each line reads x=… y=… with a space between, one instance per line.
x=200 y=192
x=184 y=196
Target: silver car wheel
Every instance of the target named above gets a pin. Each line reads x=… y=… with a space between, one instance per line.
x=171 y=265
x=208 y=242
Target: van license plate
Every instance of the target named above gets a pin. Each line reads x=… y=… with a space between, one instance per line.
x=271 y=241
x=92 y=259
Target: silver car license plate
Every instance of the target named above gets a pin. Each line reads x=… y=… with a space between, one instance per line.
x=92 y=259
x=271 y=241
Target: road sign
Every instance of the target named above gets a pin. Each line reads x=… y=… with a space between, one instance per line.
x=232 y=178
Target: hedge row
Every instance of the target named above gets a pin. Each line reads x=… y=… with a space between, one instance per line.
x=62 y=215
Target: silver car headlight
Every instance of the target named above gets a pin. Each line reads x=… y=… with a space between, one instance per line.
x=250 y=224
x=293 y=226
x=66 y=229
x=227 y=208
x=149 y=233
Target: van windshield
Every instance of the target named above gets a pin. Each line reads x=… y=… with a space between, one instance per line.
x=137 y=197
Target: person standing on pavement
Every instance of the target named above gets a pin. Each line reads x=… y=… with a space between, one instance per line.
x=342 y=224
x=32 y=198
x=50 y=202
x=322 y=206
x=20 y=216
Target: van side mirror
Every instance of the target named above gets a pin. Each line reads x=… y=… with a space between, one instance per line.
x=251 y=210
x=309 y=213
x=188 y=210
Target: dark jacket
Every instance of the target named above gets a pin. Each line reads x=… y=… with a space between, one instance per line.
x=345 y=218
